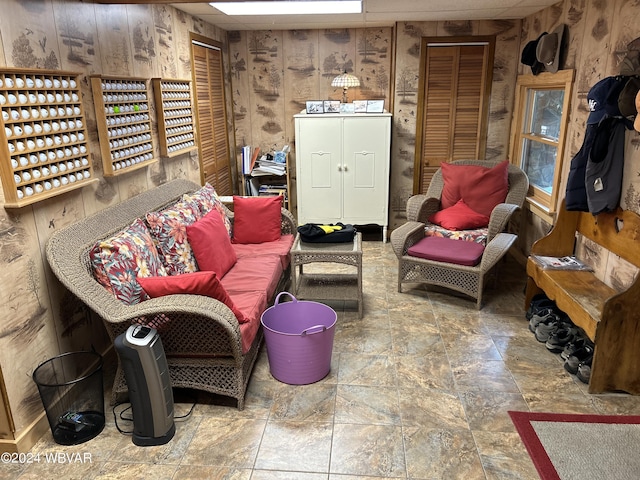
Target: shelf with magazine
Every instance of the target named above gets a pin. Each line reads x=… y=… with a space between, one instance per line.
x=266 y=174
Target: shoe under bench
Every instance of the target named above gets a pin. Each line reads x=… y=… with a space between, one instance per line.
x=609 y=317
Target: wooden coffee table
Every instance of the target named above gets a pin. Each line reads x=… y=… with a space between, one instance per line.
x=327 y=286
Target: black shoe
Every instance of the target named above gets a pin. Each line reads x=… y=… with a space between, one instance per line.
x=576 y=344
x=584 y=356
x=560 y=338
x=546 y=327
x=538 y=303
x=539 y=317
x=584 y=373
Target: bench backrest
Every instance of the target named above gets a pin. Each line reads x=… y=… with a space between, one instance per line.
x=618 y=232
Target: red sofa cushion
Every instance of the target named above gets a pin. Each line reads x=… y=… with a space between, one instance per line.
x=482 y=188
x=253 y=303
x=281 y=248
x=448 y=250
x=256 y=219
x=211 y=244
x=254 y=273
x=459 y=217
x=197 y=283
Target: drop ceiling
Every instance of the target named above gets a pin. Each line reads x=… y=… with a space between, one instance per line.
x=375 y=13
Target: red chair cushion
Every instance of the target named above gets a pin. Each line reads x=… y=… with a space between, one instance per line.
x=448 y=250
x=459 y=217
x=481 y=188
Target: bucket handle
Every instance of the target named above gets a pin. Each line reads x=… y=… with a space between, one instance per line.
x=277 y=300
x=307 y=331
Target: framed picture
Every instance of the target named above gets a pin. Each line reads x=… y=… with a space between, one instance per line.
x=359 y=106
x=375 y=106
x=332 y=106
x=347 y=108
x=315 y=106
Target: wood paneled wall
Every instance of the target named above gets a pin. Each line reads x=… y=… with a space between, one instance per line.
x=273 y=74
x=598 y=35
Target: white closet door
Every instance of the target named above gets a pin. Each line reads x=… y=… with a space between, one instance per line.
x=319 y=169
x=366 y=170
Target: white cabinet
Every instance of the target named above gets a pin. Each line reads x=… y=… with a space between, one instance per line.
x=342 y=168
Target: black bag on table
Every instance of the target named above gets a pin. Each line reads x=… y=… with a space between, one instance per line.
x=326 y=233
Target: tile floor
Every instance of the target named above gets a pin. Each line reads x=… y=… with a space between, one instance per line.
x=419 y=388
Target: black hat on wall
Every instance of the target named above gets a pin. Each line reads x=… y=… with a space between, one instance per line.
x=528 y=56
x=603 y=99
x=549 y=48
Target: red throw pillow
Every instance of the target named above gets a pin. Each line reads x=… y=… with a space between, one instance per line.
x=482 y=188
x=459 y=217
x=256 y=219
x=197 y=283
x=211 y=244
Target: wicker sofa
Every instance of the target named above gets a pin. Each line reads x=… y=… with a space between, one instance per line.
x=201 y=335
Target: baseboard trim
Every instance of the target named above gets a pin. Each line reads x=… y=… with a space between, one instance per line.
x=28 y=437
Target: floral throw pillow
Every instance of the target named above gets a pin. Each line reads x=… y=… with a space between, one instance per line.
x=169 y=231
x=207 y=199
x=119 y=260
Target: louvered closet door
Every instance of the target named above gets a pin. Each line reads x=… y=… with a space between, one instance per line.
x=215 y=165
x=454 y=97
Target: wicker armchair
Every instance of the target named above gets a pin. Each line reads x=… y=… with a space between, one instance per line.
x=465 y=279
x=202 y=339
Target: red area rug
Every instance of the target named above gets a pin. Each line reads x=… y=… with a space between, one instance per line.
x=564 y=446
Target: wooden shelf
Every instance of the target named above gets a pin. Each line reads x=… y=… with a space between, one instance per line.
x=44 y=149
x=176 y=126
x=124 y=123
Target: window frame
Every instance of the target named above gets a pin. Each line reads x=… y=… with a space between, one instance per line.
x=542 y=201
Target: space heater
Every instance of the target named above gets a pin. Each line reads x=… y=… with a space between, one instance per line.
x=147 y=375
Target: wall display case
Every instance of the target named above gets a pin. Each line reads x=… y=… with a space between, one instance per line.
x=44 y=150
x=176 y=126
x=124 y=123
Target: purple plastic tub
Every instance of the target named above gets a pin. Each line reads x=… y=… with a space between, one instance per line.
x=299 y=338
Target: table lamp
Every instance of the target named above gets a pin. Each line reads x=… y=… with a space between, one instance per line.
x=345 y=80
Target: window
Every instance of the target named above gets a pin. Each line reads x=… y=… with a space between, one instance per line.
x=538 y=133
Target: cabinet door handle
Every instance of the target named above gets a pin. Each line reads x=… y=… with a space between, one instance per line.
x=339 y=168
x=345 y=168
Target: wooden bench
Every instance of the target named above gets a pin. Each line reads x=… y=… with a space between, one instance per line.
x=609 y=317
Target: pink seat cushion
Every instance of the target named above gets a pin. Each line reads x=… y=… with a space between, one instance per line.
x=281 y=247
x=254 y=273
x=252 y=303
x=447 y=250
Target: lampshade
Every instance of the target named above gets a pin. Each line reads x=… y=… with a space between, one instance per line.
x=345 y=81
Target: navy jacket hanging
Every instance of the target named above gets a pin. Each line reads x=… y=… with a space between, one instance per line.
x=605 y=166
x=576 y=195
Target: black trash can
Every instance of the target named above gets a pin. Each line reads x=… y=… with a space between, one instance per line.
x=72 y=393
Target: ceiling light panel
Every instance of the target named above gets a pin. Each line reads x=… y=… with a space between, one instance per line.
x=289 y=7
